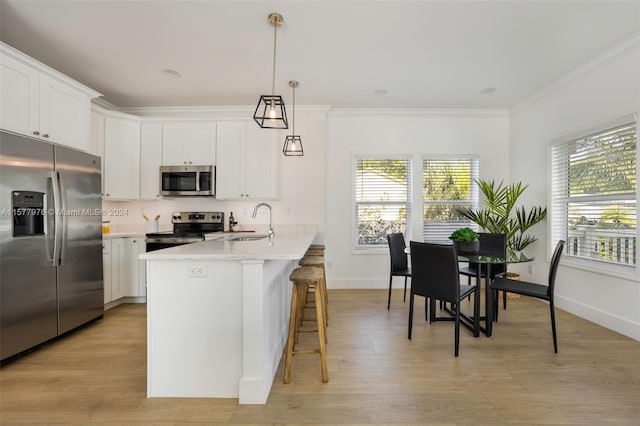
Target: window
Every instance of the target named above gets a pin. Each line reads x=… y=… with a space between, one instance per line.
x=382 y=199
x=594 y=196
x=447 y=184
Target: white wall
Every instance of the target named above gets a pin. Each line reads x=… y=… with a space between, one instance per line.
x=484 y=133
x=302 y=185
x=603 y=90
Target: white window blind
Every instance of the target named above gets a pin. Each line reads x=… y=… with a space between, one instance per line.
x=382 y=199
x=447 y=185
x=594 y=204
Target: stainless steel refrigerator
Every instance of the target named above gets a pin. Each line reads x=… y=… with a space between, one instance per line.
x=50 y=242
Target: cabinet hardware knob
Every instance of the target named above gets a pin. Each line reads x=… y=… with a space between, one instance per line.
x=36 y=133
x=46 y=135
x=108 y=195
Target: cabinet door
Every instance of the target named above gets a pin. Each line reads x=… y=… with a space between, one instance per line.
x=150 y=160
x=106 y=270
x=174 y=144
x=96 y=135
x=96 y=141
x=121 y=158
x=118 y=269
x=230 y=153
x=19 y=97
x=142 y=269
x=64 y=114
x=261 y=161
x=131 y=267
x=202 y=144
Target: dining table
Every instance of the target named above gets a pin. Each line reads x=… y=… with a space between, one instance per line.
x=486 y=262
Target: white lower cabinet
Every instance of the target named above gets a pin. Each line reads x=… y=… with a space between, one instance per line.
x=115 y=265
x=134 y=275
x=124 y=274
x=106 y=270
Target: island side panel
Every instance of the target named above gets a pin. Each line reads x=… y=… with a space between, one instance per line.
x=194 y=328
x=267 y=299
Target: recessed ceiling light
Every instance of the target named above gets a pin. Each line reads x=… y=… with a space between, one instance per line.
x=171 y=73
x=488 y=90
x=380 y=92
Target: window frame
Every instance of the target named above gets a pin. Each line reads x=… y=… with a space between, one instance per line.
x=557 y=208
x=367 y=249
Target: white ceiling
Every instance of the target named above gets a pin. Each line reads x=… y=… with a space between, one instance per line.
x=423 y=54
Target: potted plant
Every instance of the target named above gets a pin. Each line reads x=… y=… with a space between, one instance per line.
x=465 y=240
x=501 y=215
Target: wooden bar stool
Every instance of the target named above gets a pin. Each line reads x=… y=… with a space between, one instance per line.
x=314 y=252
x=318 y=262
x=301 y=279
x=317 y=247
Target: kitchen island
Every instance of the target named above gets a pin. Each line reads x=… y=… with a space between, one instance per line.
x=218 y=312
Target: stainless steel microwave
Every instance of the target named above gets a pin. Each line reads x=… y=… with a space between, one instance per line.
x=188 y=181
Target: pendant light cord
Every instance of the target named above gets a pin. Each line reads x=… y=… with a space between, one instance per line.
x=273 y=81
x=294 y=111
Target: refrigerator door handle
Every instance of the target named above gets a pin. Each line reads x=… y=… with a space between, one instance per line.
x=49 y=217
x=65 y=214
x=57 y=227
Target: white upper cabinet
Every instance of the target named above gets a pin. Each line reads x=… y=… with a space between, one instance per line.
x=19 y=97
x=37 y=101
x=96 y=134
x=246 y=165
x=150 y=160
x=121 y=157
x=189 y=143
x=96 y=140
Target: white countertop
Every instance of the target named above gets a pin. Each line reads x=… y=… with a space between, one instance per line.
x=131 y=230
x=122 y=234
x=290 y=242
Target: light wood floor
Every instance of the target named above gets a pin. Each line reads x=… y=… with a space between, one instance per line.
x=376 y=375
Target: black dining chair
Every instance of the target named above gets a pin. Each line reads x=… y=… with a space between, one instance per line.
x=490 y=245
x=539 y=291
x=399 y=262
x=435 y=276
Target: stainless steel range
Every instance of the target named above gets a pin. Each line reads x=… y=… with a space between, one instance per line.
x=188 y=227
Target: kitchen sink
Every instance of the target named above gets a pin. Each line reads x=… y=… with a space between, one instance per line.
x=248 y=238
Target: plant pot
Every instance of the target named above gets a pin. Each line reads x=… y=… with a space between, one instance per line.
x=467 y=247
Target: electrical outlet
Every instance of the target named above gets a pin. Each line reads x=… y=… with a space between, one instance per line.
x=198 y=271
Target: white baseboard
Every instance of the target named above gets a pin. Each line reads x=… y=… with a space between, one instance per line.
x=605 y=319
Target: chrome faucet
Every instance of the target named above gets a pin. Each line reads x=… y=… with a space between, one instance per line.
x=255 y=211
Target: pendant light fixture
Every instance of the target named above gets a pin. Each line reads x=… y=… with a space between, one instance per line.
x=293 y=142
x=270 y=112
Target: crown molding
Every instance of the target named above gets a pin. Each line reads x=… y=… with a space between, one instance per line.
x=228 y=112
x=617 y=51
x=104 y=104
x=417 y=112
